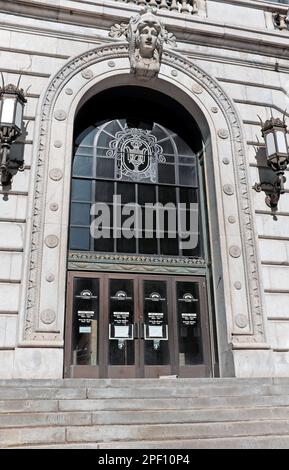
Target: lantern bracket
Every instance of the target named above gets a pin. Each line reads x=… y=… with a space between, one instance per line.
x=274 y=158
x=272 y=191
x=12 y=101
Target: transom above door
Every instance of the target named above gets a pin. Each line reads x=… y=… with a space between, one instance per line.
x=122 y=326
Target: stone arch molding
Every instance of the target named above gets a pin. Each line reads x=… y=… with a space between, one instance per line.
x=45 y=270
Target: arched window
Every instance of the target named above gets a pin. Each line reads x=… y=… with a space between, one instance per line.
x=137 y=269
x=146 y=175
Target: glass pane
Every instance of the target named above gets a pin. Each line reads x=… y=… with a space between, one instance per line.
x=104 y=139
x=104 y=244
x=167 y=195
x=189 y=220
x=82 y=166
x=85 y=327
x=113 y=127
x=281 y=142
x=80 y=214
x=167 y=219
x=126 y=245
x=159 y=132
x=148 y=246
x=86 y=137
x=149 y=219
x=8 y=111
x=127 y=192
x=81 y=190
x=102 y=152
x=189 y=324
x=105 y=168
x=108 y=133
x=189 y=232
x=79 y=238
x=188 y=175
x=104 y=191
x=19 y=114
x=167 y=147
x=170 y=158
x=166 y=174
x=188 y=195
x=146 y=194
x=270 y=141
x=183 y=148
x=189 y=160
x=170 y=246
x=156 y=323
x=121 y=322
x=84 y=150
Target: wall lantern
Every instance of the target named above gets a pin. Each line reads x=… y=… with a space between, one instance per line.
x=12 y=101
x=274 y=132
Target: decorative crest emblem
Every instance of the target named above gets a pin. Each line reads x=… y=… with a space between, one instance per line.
x=136 y=155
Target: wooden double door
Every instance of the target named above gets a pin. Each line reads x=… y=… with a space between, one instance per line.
x=126 y=326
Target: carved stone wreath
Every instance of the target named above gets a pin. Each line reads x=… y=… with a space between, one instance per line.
x=75 y=66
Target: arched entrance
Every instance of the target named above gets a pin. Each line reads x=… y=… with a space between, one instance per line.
x=137 y=194
x=235 y=275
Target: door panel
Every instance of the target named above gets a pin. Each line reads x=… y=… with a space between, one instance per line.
x=192 y=326
x=123 y=326
x=157 y=349
x=123 y=351
x=84 y=349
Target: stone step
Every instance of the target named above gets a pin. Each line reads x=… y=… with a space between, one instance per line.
x=175 y=431
x=30 y=436
x=130 y=383
x=251 y=442
x=150 y=414
x=42 y=393
x=13 y=406
x=8 y=420
x=206 y=391
x=172 y=403
x=139 y=433
x=37 y=406
x=16 y=420
x=188 y=416
x=46 y=393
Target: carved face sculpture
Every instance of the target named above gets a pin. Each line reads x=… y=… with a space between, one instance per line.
x=148 y=38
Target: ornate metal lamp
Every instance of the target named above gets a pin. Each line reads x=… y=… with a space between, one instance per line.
x=12 y=101
x=274 y=132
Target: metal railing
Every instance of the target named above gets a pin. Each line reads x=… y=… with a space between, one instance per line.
x=180 y=6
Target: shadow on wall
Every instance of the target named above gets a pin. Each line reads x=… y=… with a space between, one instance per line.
x=268 y=181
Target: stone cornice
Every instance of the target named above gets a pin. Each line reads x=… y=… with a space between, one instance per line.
x=256 y=4
x=201 y=31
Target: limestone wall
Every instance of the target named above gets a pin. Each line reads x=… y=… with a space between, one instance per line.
x=233 y=41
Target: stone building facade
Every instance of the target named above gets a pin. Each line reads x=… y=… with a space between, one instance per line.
x=223 y=63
